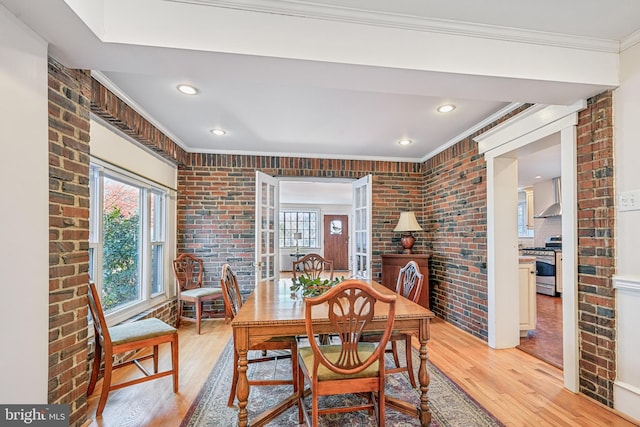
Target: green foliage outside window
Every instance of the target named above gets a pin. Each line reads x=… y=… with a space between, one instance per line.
x=120 y=259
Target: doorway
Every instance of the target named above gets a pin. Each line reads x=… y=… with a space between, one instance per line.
x=499 y=147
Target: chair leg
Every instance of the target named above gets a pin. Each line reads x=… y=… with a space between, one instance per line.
x=394 y=349
x=294 y=368
x=314 y=409
x=381 y=404
x=175 y=362
x=300 y=392
x=407 y=345
x=234 y=380
x=179 y=313
x=155 y=359
x=198 y=315
x=97 y=361
x=106 y=382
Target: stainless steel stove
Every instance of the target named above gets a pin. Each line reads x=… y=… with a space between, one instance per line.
x=545 y=265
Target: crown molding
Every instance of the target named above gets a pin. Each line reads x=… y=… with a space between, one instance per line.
x=304 y=9
x=630 y=41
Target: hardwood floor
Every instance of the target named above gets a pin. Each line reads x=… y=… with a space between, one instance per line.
x=545 y=342
x=517 y=388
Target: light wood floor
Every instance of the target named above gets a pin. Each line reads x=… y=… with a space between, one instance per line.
x=517 y=388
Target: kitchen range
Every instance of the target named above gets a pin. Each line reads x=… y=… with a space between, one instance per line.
x=548 y=264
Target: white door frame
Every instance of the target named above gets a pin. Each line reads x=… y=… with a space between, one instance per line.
x=499 y=146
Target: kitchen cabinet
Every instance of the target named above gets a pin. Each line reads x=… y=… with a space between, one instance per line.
x=558 y=272
x=527 y=294
x=391 y=265
x=529 y=200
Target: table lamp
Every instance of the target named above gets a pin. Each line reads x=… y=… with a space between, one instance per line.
x=406 y=224
x=297 y=237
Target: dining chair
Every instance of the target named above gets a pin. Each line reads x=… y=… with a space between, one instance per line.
x=351 y=367
x=127 y=337
x=233 y=304
x=313 y=265
x=189 y=271
x=409 y=285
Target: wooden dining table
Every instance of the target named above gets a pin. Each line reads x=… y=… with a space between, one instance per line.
x=272 y=311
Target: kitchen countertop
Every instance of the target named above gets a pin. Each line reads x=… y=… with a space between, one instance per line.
x=522 y=259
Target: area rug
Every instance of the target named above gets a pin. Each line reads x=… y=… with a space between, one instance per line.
x=450 y=406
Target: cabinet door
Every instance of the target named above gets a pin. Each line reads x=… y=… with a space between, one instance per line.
x=559 y=272
x=527 y=291
x=529 y=194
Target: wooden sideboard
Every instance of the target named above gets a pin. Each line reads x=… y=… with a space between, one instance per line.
x=391 y=265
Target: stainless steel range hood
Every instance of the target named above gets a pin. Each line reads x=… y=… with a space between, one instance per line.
x=556 y=208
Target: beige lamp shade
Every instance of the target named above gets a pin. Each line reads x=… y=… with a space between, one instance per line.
x=407 y=222
x=297 y=236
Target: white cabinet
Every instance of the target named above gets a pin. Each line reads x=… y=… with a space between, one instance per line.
x=529 y=197
x=559 y=272
x=527 y=292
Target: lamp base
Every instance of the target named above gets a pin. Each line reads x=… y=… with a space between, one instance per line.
x=407 y=243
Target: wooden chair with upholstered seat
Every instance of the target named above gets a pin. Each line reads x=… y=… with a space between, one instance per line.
x=351 y=367
x=189 y=271
x=123 y=338
x=409 y=285
x=313 y=265
x=233 y=303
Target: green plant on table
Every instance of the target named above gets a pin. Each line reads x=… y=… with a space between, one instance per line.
x=309 y=287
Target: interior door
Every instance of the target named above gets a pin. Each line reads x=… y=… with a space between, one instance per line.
x=336 y=240
x=267 y=207
x=361 y=266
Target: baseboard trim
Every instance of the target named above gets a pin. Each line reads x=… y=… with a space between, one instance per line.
x=627 y=400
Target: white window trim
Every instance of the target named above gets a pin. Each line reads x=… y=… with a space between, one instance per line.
x=148 y=301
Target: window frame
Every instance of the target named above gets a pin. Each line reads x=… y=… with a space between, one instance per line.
x=523 y=230
x=147 y=299
x=282 y=228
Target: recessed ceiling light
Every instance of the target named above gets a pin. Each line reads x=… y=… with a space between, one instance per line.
x=187 y=89
x=447 y=108
x=405 y=142
x=538 y=177
x=218 y=132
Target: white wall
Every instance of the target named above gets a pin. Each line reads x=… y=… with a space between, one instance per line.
x=544 y=227
x=627 y=279
x=24 y=217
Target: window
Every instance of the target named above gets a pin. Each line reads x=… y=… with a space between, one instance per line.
x=127 y=237
x=303 y=222
x=523 y=228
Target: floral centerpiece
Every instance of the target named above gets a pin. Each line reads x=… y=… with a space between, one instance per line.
x=309 y=287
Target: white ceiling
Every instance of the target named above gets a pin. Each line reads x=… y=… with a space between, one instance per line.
x=338 y=78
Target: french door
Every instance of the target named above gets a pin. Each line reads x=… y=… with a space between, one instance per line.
x=361 y=214
x=267 y=207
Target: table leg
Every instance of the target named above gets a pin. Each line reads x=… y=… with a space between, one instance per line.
x=423 y=376
x=242 y=390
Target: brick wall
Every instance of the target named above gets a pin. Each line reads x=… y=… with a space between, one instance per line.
x=596 y=249
x=455 y=210
x=216 y=213
x=69 y=94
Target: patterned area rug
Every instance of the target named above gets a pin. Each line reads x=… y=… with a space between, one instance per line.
x=450 y=406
